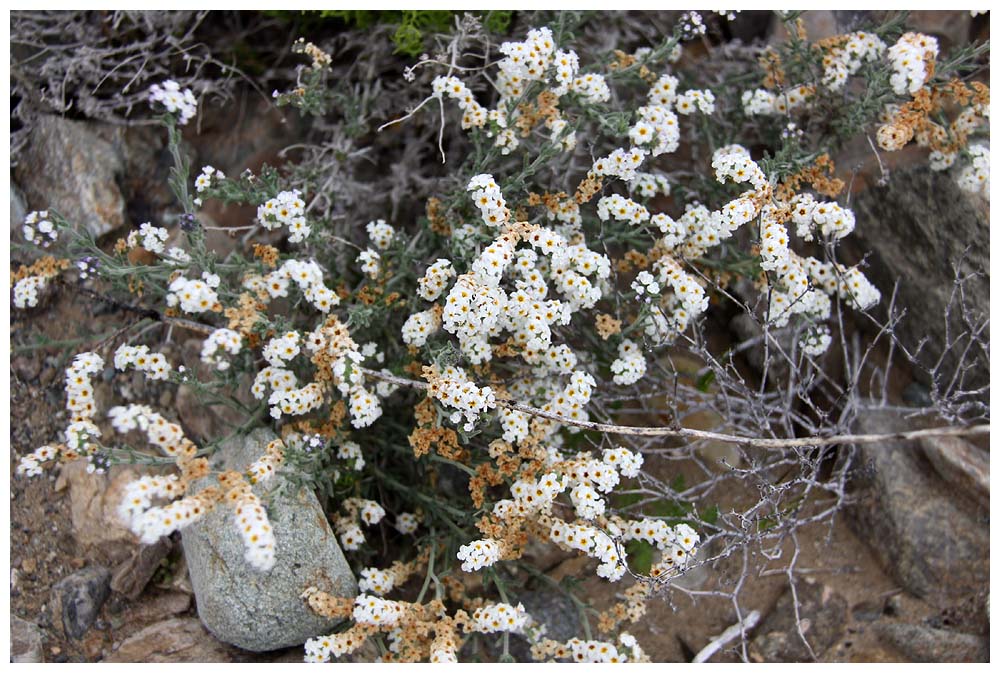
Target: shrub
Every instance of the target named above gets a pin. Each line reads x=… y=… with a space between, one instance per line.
x=595 y=209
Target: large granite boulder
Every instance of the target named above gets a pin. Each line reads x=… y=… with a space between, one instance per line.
x=256 y=610
x=69 y=168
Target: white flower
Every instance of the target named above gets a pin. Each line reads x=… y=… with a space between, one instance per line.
x=369 y=262
x=630 y=365
x=381 y=233
x=499 y=618
x=169 y=95
x=479 y=554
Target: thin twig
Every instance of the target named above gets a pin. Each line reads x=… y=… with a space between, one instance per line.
x=683 y=433
x=723 y=638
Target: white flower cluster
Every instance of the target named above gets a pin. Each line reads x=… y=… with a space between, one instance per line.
x=479 y=554
x=657 y=128
x=630 y=366
x=279 y=350
x=843 y=61
x=621 y=209
x=435 y=279
x=151 y=523
x=221 y=339
x=154 y=365
x=500 y=618
x=376 y=581
x=850 y=284
x=351 y=451
x=645 y=285
x=764 y=102
x=264 y=468
x=419 y=326
x=38 y=229
x=809 y=215
x=474 y=307
x=381 y=233
x=594 y=652
x=568 y=401
x=593 y=87
x=28 y=289
x=149 y=237
x=677 y=543
x=79 y=389
x=587 y=476
x=370 y=512
x=487 y=197
x=910 y=57
x=691 y=25
x=274 y=378
x=702 y=100
x=376 y=611
x=534 y=59
x=192 y=295
x=816 y=340
x=157 y=522
x=621 y=163
x=296 y=401
x=307 y=275
x=285 y=209
x=206 y=178
x=31 y=464
x=524 y=61
x=474 y=115
x=664 y=90
x=791 y=294
x=406 y=523
x=370 y=262
x=347 y=525
x=453 y=388
x=255 y=529
x=687 y=302
x=594 y=543
x=170 y=96
x=364 y=407
x=620 y=459
x=348 y=376
x=168 y=437
x=758 y=102
x=531 y=497
x=975 y=177
x=649 y=185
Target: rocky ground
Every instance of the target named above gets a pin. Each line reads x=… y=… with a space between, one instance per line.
x=82 y=590
x=902 y=575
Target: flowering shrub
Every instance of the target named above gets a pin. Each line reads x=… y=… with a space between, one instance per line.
x=492 y=341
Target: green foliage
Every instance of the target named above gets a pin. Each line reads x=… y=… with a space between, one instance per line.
x=413 y=27
x=640 y=556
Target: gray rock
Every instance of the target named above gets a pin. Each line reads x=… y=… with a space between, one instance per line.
x=962 y=464
x=934 y=544
x=69 y=168
x=25 y=642
x=255 y=610
x=925 y=644
x=78 y=598
x=917 y=226
x=823 y=618
x=555 y=610
x=132 y=576
x=181 y=640
x=18 y=209
x=158 y=608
